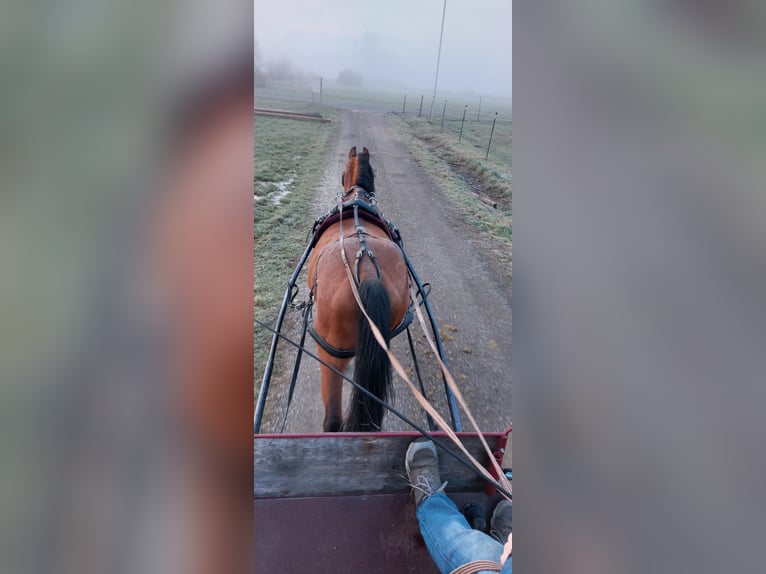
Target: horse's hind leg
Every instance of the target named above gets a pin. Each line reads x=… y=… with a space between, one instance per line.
x=332 y=391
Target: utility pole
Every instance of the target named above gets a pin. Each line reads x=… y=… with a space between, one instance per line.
x=438 y=60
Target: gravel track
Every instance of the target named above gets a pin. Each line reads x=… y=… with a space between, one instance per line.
x=471 y=298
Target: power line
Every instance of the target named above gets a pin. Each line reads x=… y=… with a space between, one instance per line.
x=438 y=60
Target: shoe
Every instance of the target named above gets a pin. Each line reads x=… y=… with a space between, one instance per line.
x=422 y=466
x=501 y=523
x=475 y=515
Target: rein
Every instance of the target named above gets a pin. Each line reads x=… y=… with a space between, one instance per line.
x=427 y=406
x=439 y=443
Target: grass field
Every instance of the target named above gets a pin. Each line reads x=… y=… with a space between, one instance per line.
x=391 y=100
x=288 y=157
x=475 y=134
x=332 y=95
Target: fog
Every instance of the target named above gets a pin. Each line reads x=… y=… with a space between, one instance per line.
x=391 y=44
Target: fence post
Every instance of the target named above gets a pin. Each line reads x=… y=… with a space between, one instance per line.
x=404 y=103
x=478 y=114
x=459 y=139
x=320 y=90
x=312 y=97
x=444 y=111
x=421 y=105
x=490 y=136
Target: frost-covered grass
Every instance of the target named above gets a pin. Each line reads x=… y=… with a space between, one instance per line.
x=463 y=173
x=289 y=157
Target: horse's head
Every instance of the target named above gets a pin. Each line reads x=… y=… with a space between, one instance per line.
x=359 y=173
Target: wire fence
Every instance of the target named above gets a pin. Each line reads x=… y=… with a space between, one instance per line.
x=487 y=128
x=476 y=109
x=479 y=121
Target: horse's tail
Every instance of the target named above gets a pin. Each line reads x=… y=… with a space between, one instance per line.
x=372 y=368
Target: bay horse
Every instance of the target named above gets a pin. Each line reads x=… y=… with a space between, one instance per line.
x=339 y=327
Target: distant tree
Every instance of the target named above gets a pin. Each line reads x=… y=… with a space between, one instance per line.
x=260 y=75
x=349 y=78
x=281 y=71
x=268 y=71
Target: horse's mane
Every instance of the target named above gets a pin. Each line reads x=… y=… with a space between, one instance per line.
x=365 y=177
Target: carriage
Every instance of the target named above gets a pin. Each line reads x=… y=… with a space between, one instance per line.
x=341 y=498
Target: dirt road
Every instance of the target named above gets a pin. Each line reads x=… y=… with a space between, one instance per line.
x=471 y=298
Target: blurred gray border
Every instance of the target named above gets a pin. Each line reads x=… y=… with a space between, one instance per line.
x=639 y=282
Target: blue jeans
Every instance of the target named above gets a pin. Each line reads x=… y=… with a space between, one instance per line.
x=451 y=540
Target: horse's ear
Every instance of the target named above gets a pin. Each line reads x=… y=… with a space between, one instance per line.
x=352 y=152
x=343 y=178
x=365 y=151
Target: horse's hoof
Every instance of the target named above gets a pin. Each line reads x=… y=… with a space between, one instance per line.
x=331 y=426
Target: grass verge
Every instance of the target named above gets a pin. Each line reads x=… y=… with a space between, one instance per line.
x=461 y=170
x=289 y=158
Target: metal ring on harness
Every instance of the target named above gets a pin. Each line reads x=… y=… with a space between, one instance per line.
x=370 y=197
x=363 y=247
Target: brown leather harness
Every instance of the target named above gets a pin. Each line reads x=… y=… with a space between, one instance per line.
x=360 y=210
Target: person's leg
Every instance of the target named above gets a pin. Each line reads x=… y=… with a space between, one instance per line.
x=501 y=527
x=449 y=538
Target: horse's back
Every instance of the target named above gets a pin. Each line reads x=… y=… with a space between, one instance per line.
x=328 y=278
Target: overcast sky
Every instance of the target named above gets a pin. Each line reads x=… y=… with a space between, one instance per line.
x=393 y=42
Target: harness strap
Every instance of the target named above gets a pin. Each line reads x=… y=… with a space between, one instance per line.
x=348 y=353
x=366 y=211
x=408 y=316
x=334 y=351
x=369 y=195
x=363 y=248
x=478 y=566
